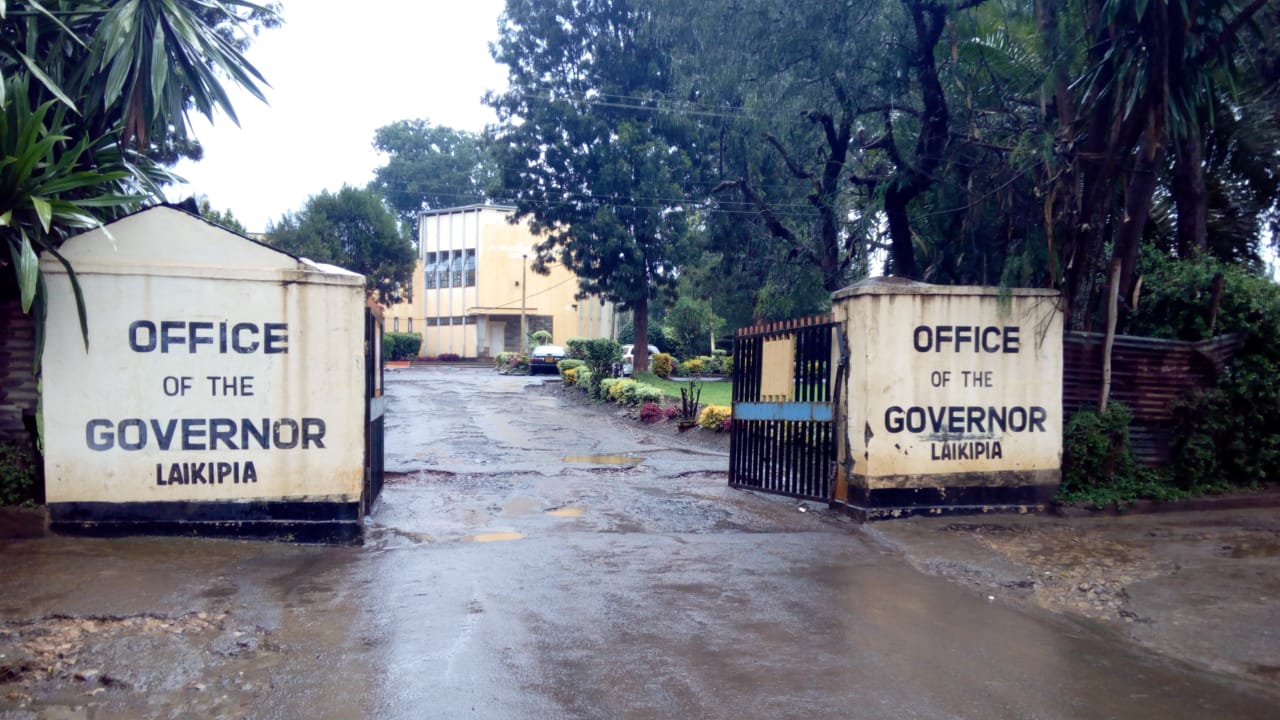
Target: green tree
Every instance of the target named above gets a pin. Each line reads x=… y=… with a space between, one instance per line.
x=225 y=218
x=582 y=151
x=95 y=98
x=430 y=167
x=692 y=324
x=354 y=230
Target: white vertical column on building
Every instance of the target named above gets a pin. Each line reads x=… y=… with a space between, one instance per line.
x=481 y=337
x=439 y=247
x=453 y=216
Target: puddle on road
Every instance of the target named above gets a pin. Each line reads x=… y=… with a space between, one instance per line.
x=568 y=512
x=494 y=537
x=605 y=459
x=520 y=506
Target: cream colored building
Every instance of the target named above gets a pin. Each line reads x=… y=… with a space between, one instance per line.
x=472 y=279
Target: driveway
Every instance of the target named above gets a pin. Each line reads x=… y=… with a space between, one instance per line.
x=530 y=560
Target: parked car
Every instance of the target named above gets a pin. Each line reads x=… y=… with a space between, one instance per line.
x=543 y=358
x=629 y=361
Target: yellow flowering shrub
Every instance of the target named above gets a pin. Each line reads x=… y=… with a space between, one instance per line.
x=618 y=390
x=715 y=417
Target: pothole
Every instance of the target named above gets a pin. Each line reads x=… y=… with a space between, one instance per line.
x=604 y=459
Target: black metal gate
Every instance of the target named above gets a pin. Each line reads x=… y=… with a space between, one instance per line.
x=784 y=430
x=375 y=406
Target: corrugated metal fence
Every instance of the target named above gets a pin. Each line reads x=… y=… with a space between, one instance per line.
x=17 y=377
x=1148 y=375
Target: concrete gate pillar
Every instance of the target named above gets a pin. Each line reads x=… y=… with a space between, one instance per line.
x=221 y=390
x=953 y=399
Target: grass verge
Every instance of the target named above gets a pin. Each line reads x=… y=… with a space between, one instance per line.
x=713 y=393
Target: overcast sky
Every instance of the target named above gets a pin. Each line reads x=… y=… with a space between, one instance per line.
x=338 y=71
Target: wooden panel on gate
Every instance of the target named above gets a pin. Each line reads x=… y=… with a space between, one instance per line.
x=783 y=430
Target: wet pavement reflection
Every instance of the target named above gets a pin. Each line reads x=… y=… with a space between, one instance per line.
x=503 y=576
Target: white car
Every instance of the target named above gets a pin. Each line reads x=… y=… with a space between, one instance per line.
x=629 y=361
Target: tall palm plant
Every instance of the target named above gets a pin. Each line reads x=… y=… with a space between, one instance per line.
x=93 y=95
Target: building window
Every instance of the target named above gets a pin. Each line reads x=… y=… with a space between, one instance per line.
x=429 y=271
x=395 y=324
x=410 y=325
x=458 y=262
x=469 y=267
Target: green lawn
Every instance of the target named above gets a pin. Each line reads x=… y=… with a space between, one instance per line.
x=713 y=393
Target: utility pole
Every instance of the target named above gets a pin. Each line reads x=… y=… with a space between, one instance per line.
x=524 y=292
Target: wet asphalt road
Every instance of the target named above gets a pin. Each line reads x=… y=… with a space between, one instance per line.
x=528 y=560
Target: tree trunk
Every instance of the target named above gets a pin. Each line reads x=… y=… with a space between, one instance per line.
x=1137 y=206
x=1190 y=196
x=911 y=180
x=1113 y=301
x=640 y=321
x=904 y=256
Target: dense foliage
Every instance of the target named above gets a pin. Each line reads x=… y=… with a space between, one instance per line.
x=996 y=142
x=400 y=346
x=601 y=177
x=94 y=100
x=353 y=230
x=599 y=356
x=430 y=167
x=1229 y=434
x=18 y=474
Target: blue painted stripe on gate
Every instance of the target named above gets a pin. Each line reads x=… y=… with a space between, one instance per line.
x=794 y=411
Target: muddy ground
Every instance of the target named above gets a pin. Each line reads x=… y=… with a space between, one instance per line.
x=1202 y=586
x=536 y=556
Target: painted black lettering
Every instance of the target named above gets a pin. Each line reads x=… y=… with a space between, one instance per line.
x=987 y=344
x=250 y=473
x=261 y=434
x=915 y=419
x=236 y=335
x=1011 y=339
x=975 y=419
x=997 y=417
x=1017 y=419
x=893 y=419
x=136 y=329
x=312 y=432
x=193 y=434
x=928 y=338
x=139 y=436
x=194 y=336
x=1038 y=416
x=280 y=429
x=170 y=334
x=937 y=421
x=98 y=435
x=941 y=334
x=197 y=473
x=275 y=338
x=222 y=430
x=164 y=435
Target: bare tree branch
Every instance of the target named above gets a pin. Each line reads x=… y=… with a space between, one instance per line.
x=792 y=165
